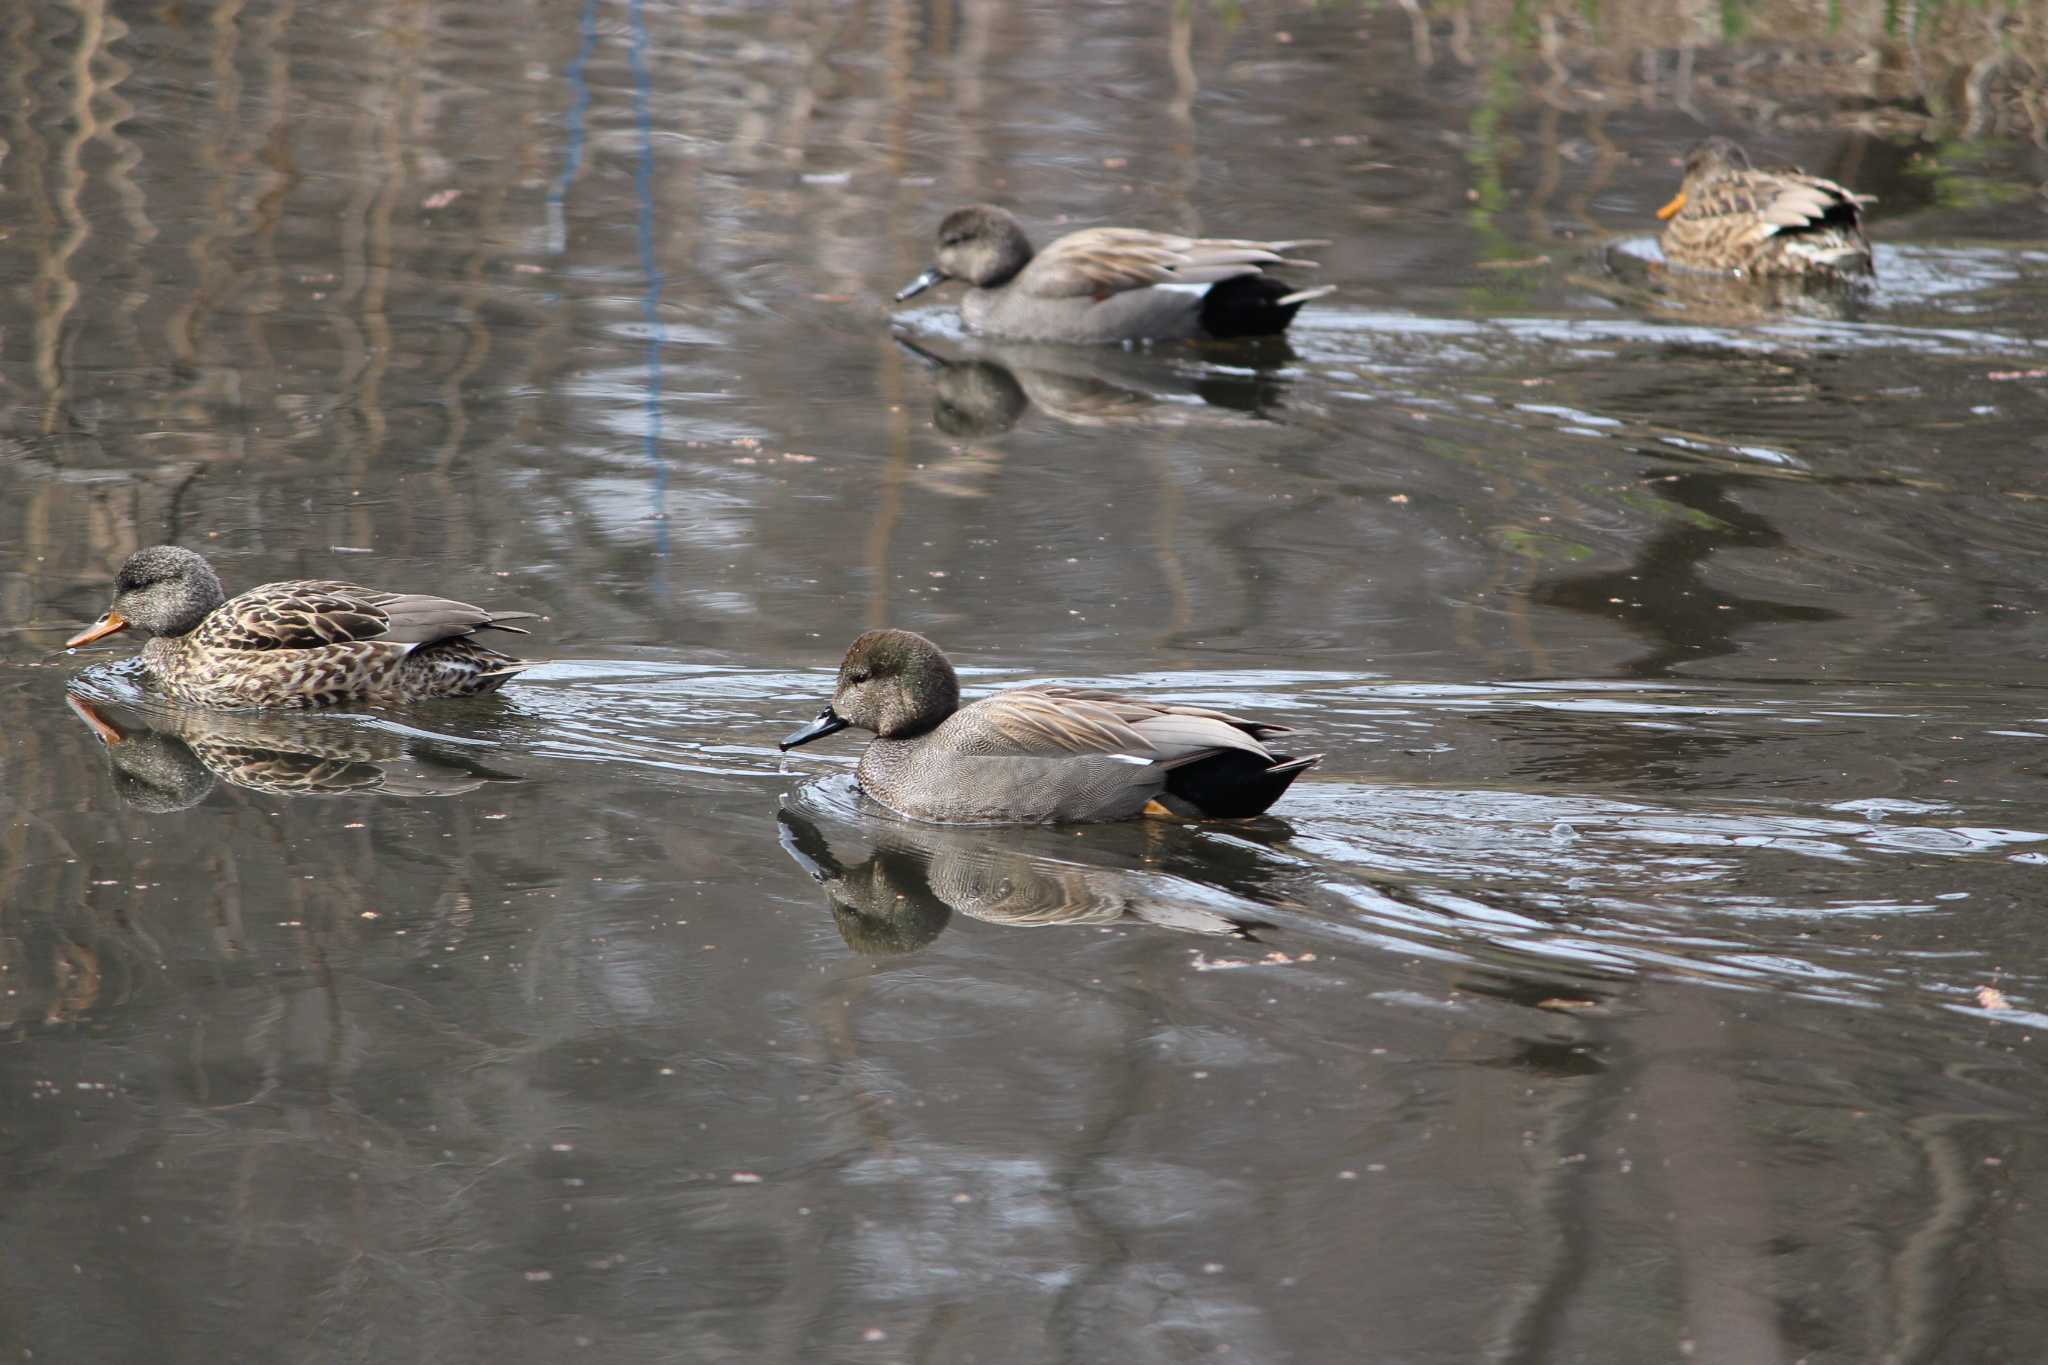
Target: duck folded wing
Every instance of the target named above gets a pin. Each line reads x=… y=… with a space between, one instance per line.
x=1136 y=709
x=1782 y=202
x=310 y=613
x=1103 y=261
x=1052 y=722
x=420 y=620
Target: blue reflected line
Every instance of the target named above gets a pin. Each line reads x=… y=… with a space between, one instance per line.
x=572 y=150
x=643 y=184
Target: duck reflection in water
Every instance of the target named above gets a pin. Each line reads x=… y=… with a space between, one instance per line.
x=173 y=759
x=916 y=877
x=1638 y=282
x=987 y=390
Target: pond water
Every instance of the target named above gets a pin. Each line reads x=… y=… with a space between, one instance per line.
x=1651 y=970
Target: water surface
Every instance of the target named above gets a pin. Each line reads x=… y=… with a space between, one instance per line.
x=1649 y=972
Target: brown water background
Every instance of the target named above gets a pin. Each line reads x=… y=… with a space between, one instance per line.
x=1652 y=970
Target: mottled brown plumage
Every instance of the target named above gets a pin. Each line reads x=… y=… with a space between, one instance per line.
x=306 y=642
x=172 y=757
x=1728 y=215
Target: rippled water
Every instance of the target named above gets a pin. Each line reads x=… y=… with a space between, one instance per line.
x=1649 y=971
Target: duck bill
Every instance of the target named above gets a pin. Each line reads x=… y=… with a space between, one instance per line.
x=930 y=359
x=98 y=630
x=102 y=729
x=921 y=283
x=801 y=840
x=1671 y=210
x=829 y=722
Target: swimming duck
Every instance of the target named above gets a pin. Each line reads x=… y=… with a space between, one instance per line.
x=1040 y=755
x=1728 y=215
x=310 y=642
x=1104 y=284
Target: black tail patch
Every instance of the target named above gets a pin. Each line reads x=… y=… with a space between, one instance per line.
x=1232 y=784
x=1247 y=306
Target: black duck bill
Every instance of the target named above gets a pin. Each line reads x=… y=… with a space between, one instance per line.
x=98 y=630
x=932 y=275
x=829 y=722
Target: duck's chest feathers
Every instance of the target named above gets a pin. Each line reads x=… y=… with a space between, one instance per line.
x=886 y=770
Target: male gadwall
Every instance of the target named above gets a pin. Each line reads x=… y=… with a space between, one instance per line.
x=1040 y=755
x=1728 y=215
x=1108 y=284
x=310 y=642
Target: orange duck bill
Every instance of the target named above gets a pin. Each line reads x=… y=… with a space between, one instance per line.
x=98 y=630
x=1671 y=210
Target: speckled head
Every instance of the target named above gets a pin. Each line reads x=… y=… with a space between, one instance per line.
x=163 y=590
x=1709 y=157
x=981 y=244
x=1714 y=156
x=893 y=682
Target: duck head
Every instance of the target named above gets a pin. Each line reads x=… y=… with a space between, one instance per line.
x=1708 y=158
x=164 y=590
x=981 y=244
x=894 y=683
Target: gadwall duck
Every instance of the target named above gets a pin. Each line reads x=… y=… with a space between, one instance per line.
x=1728 y=215
x=1104 y=285
x=1040 y=755
x=310 y=642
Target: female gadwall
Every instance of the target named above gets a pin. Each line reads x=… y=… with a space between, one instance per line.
x=1729 y=216
x=1040 y=755
x=309 y=642
x=1104 y=284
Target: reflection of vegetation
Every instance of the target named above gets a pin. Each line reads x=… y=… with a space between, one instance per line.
x=1956 y=172
x=1884 y=63
x=1643 y=500
x=1487 y=151
x=1543 y=545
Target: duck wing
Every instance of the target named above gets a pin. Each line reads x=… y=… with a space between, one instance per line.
x=309 y=613
x=1053 y=722
x=1776 y=201
x=1105 y=261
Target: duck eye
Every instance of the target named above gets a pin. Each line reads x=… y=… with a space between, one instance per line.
x=857 y=678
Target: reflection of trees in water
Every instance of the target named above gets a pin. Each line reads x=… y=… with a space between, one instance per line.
x=332 y=308
x=320 y=1049
x=322 y=267
x=1936 y=69
x=252 y=307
